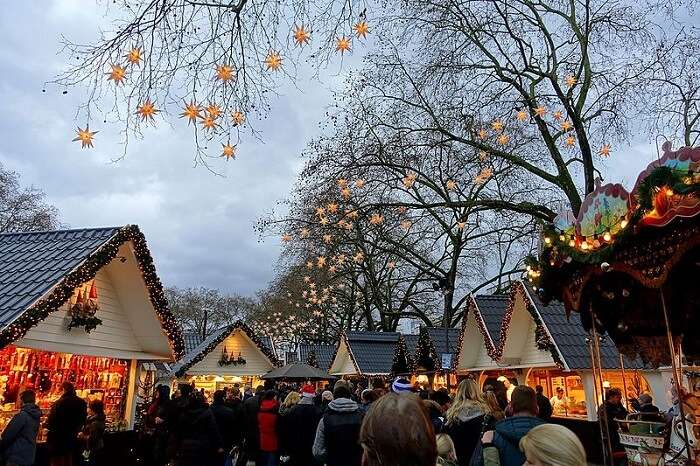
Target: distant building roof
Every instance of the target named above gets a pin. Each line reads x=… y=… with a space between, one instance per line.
x=40 y=270
x=373 y=351
x=192 y=340
x=492 y=309
x=324 y=354
x=444 y=341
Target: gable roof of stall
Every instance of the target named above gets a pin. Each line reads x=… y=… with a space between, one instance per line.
x=39 y=272
x=214 y=339
x=324 y=354
x=193 y=340
x=371 y=353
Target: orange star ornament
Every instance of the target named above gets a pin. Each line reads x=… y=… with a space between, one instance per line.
x=85 y=136
x=332 y=207
x=605 y=150
x=521 y=115
x=540 y=111
x=361 y=29
x=342 y=183
x=213 y=111
x=345 y=192
x=228 y=151
x=497 y=125
x=570 y=141
x=566 y=125
x=305 y=233
x=558 y=115
x=376 y=219
x=570 y=80
x=192 y=111
x=225 y=73
x=286 y=238
x=451 y=185
x=117 y=74
x=503 y=139
x=409 y=180
x=273 y=61
x=301 y=36
x=134 y=56
x=360 y=183
x=209 y=122
x=147 y=110
x=342 y=44
x=238 y=118
x=406 y=224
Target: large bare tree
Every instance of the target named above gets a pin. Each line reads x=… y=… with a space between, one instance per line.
x=23 y=208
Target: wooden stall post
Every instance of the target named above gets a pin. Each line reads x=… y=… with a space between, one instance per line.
x=130 y=411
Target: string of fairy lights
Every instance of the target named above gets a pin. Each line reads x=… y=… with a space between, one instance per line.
x=64 y=290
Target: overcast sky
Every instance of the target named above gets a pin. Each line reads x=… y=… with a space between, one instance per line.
x=199 y=226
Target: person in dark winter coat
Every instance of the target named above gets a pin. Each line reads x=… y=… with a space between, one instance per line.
x=544 y=407
x=93 y=433
x=338 y=432
x=508 y=432
x=158 y=427
x=65 y=420
x=464 y=419
x=250 y=409
x=225 y=420
x=613 y=410
x=268 y=417
x=197 y=439
x=18 y=441
x=300 y=429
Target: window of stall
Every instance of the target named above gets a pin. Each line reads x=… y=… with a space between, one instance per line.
x=571 y=400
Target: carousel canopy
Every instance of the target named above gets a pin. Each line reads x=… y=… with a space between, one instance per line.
x=40 y=271
x=297 y=371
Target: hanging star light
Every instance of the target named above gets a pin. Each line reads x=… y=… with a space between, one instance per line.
x=327 y=239
x=225 y=73
x=321 y=262
x=360 y=183
x=228 y=151
x=238 y=118
x=401 y=210
x=342 y=183
x=332 y=207
x=566 y=126
x=332 y=269
x=345 y=193
x=451 y=185
x=342 y=44
x=558 y=115
x=482 y=134
x=85 y=136
x=461 y=225
x=134 y=56
x=497 y=125
x=348 y=226
x=541 y=111
x=191 y=112
x=483 y=176
x=340 y=259
x=605 y=150
x=286 y=238
x=406 y=224
x=117 y=74
x=521 y=115
x=273 y=61
x=147 y=110
x=301 y=36
x=304 y=233
x=213 y=110
x=570 y=80
x=570 y=141
x=376 y=219
x=209 y=122
x=409 y=180
x=391 y=264
x=352 y=213
x=359 y=257
x=307 y=279
x=361 y=29
x=320 y=211
x=309 y=265
x=323 y=221
x=483 y=155
x=503 y=139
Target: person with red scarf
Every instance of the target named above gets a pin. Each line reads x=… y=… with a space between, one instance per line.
x=268 y=416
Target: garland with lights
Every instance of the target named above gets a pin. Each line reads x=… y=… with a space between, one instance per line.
x=89 y=323
x=201 y=352
x=400 y=361
x=426 y=356
x=86 y=271
x=311 y=359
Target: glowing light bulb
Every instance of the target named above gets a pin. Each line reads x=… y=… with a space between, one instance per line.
x=607 y=236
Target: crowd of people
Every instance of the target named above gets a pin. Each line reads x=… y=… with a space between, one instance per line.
x=354 y=425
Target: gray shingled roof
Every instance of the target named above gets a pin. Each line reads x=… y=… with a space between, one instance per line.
x=373 y=351
x=492 y=308
x=266 y=340
x=192 y=340
x=32 y=263
x=444 y=342
x=324 y=354
x=570 y=337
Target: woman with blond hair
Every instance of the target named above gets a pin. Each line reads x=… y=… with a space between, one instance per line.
x=464 y=419
x=447 y=455
x=544 y=445
x=494 y=413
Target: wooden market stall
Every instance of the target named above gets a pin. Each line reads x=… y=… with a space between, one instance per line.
x=231 y=355
x=316 y=355
x=81 y=306
x=367 y=354
x=431 y=356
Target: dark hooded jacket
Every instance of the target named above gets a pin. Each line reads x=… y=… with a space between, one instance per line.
x=197 y=438
x=507 y=438
x=66 y=419
x=465 y=432
x=18 y=442
x=250 y=408
x=338 y=433
x=299 y=431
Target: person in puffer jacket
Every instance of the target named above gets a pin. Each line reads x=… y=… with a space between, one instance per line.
x=268 y=418
x=18 y=441
x=508 y=432
x=338 y=432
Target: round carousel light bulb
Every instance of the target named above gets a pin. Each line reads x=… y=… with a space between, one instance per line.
x=547 y=240
x=623 y=224
x=607 y=236
x=584 y=245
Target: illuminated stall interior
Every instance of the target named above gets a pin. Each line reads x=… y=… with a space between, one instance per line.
x=232 y=355
x=362 y=354
x=80 y=306
x=431 y=356
x=529 y=343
